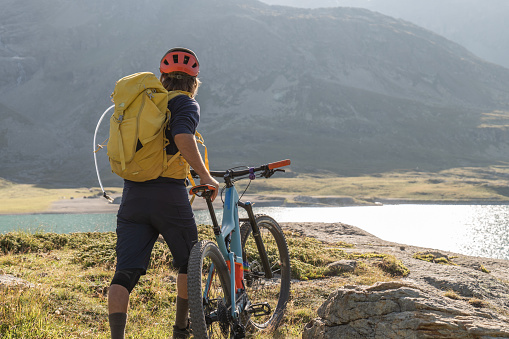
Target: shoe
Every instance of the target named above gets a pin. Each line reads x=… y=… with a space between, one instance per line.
x=181 y=333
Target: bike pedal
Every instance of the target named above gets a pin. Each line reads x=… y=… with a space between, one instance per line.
x=259 y=309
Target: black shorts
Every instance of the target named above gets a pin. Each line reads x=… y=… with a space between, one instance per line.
x=159 y=206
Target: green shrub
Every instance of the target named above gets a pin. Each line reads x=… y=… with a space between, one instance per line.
x=393 y=266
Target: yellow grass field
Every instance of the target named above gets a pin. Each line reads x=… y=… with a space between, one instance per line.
x=25 y=198
x=489 y=184
x=458 y=184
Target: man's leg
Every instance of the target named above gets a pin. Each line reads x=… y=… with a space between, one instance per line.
x=181 y=318
x=118 y=302
x=118 y=299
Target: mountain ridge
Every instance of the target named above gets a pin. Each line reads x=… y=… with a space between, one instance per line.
x=478 y=25
x=343 y=90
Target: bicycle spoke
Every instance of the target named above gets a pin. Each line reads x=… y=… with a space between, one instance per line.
x=268 y=296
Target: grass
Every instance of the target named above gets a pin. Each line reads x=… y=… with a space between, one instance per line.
x=26 y=198
x=484 y=269
x=478 y=303
x=475 y=302
x=68 y=277
x=451 y=294
x=436 y=258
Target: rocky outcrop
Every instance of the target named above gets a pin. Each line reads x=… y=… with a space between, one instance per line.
x=402 y=310
x=445 y=295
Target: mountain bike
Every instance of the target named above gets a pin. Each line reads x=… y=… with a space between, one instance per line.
x=241 y=282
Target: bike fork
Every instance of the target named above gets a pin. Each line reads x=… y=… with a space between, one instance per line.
x=258 y=239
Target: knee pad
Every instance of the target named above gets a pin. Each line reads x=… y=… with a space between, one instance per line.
x=126 y=278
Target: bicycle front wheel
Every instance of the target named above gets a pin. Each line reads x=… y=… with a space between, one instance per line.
x=208 y=287
x=268 y=296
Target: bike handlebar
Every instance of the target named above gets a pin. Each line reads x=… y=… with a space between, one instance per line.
x=277 y=164
x=268 y=170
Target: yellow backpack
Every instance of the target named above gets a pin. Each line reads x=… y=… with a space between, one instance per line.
x=137 y=140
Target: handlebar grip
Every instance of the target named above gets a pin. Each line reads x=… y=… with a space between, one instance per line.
x=278 y=164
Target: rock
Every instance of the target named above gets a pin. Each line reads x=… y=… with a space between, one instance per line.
x=9 y=280
x=401 y=309
x=341 y=266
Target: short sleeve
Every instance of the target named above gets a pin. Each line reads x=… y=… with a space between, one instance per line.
x=185 y=115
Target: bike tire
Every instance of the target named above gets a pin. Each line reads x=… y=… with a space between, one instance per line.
x=275 y=291
x=204 y=311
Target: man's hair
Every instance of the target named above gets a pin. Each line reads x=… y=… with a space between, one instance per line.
x=180 y=81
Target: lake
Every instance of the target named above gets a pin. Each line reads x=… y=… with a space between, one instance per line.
x=479 y=230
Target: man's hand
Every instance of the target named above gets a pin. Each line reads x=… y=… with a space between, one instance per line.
x=186 y=143
x=210 y=181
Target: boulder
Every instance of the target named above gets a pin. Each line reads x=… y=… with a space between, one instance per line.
x=402 y=309
x=341 y=266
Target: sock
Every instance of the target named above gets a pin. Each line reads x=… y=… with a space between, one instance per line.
x=117 y=325
x=182 y=313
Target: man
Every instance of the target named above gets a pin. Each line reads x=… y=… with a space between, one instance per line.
x=161 y=206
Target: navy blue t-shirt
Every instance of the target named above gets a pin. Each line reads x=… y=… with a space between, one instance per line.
x=185 y=116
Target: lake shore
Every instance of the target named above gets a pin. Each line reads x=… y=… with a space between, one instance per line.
x=101 y=205
x=98 y=204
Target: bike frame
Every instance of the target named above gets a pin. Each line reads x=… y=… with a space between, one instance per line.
x=229 y=241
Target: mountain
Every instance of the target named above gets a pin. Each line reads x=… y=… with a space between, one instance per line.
x=479 y=25
x=340 y=89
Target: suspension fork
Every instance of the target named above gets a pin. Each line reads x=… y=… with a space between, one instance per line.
x=258 y=238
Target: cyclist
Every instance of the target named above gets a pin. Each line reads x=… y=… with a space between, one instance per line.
x=161 y=206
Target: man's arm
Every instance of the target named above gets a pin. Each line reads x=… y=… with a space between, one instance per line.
x=186 y=143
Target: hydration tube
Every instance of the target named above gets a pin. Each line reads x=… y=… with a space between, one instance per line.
x=95 y=153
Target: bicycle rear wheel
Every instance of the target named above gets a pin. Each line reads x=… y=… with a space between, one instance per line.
x=208 y=285
x=268 y=296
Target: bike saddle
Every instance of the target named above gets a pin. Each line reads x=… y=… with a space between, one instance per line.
x=202 y=190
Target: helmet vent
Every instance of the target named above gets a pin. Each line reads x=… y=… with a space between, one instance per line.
x=186 y=60
x=195 y=65
x=166 y=62
x=175 y=58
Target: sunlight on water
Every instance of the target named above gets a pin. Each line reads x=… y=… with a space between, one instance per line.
x=479 y=230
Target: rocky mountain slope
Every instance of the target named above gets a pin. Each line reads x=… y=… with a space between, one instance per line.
x=341 y=89
x=479 y=25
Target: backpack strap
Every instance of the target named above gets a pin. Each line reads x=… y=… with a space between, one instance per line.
x=171 y=95
x=200 y=140
x=198 y=137
x=120 y=142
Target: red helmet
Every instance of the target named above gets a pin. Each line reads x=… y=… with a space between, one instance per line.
x=180 y=60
